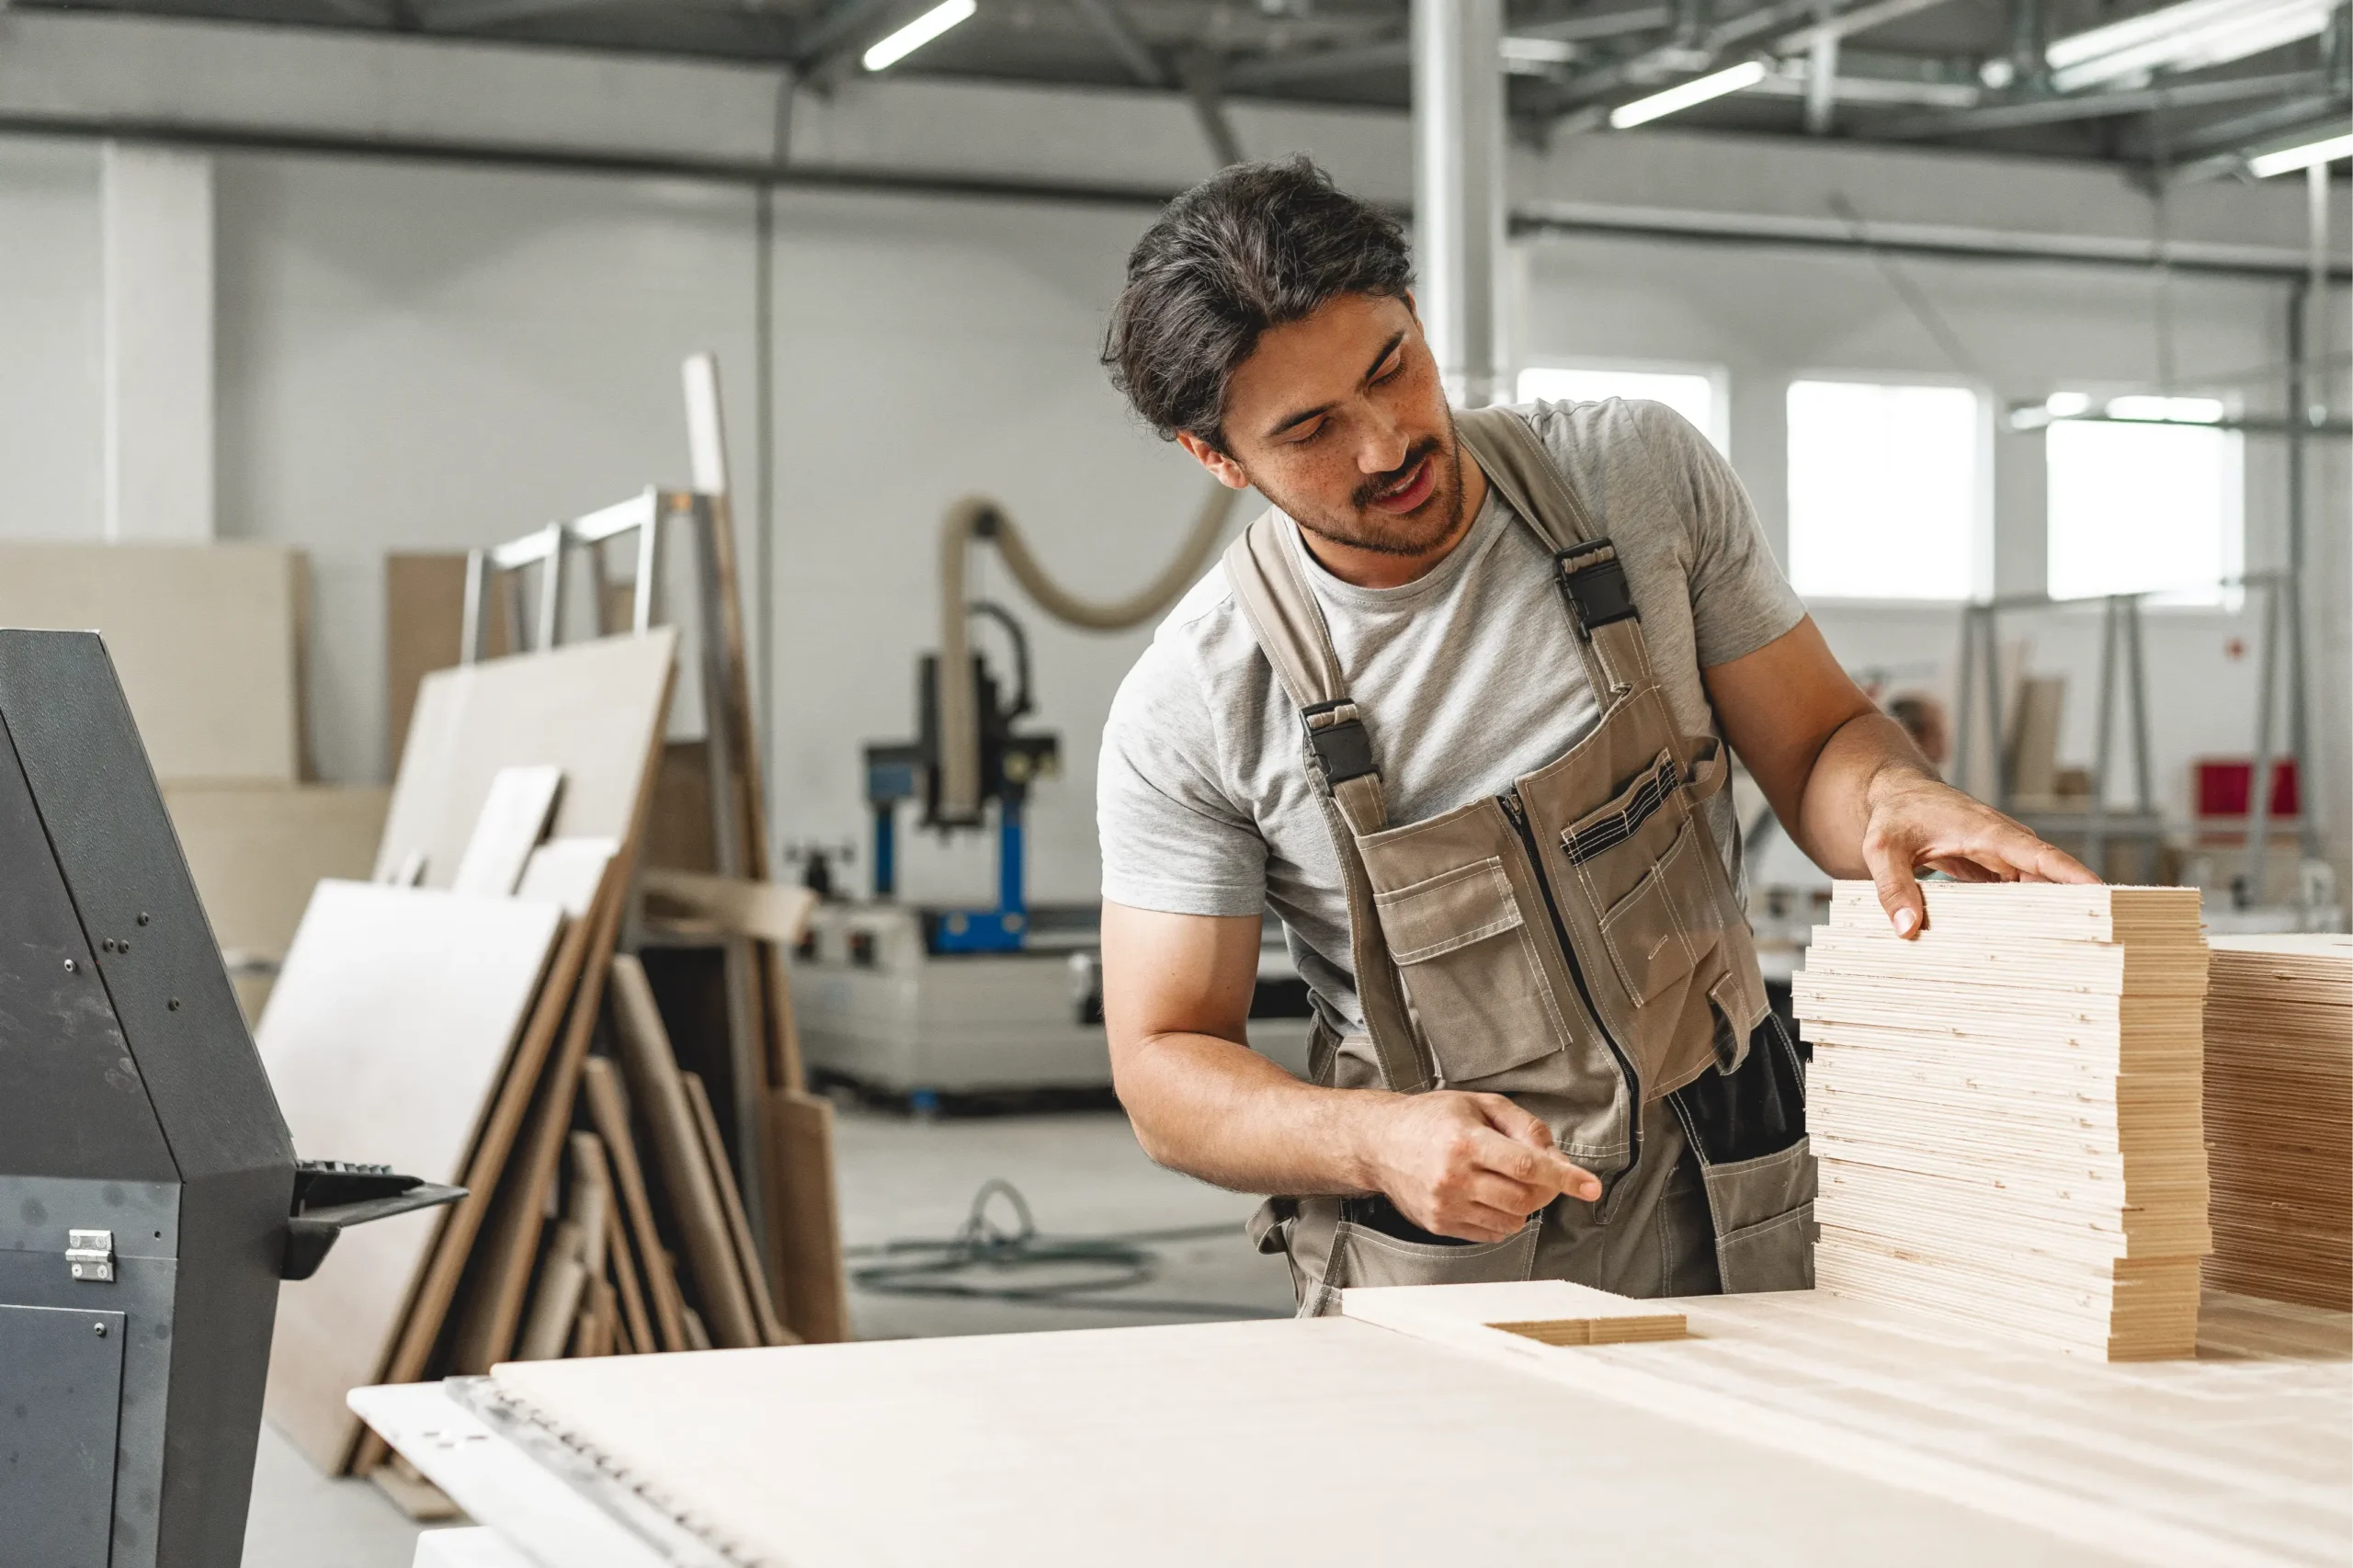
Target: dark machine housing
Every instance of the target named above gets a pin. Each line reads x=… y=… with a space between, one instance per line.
x=150 y=1198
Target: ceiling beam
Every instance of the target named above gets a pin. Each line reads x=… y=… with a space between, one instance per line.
x=1317 y=65
x=1118 y=30
x=823 y=52
x=2100 y=105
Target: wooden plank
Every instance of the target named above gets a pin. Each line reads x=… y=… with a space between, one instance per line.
x=594 y=709
x=739 y=1228
x=456 y=1246
x=772 y=911
x=207 y=639
x=1550 y=1313
x=513 y=820
x=600 y=1086
x=391 y=1025
x=813 y=1297
x=424 y=615
x=500 y=1273
x=652 y=1070
x=555 y=1304
x=627 y=1275
x=256 y=850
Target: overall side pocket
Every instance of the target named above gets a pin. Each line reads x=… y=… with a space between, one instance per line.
x=1471 y=971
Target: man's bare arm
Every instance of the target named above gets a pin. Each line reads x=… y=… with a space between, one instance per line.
x=1177 y=996
x=1853 y=791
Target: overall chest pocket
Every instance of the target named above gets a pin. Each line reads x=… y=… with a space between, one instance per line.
x=1463 y=943
x=1634 y=859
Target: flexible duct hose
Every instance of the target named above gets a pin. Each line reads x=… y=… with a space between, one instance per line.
x=974 y=517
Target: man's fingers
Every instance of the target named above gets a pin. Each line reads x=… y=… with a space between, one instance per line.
x=1520 y=1125
x=1890 y=862
x=1545 y=1168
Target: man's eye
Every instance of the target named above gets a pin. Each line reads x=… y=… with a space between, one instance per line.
x=1387 y=372
x=1308 y=434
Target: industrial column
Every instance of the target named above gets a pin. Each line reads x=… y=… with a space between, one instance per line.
x=158 y=270
x=1459 y=190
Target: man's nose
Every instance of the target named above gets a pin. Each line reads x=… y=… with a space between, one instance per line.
x=1382 y=445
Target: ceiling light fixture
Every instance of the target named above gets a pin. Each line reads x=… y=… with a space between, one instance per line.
x=2190 y=36
x=917 y=33
x=2263 y=165
x=1734 y=79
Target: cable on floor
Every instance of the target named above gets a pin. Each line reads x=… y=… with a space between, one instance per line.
x=984 y=1245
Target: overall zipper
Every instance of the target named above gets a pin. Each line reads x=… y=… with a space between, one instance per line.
x=1518 y=816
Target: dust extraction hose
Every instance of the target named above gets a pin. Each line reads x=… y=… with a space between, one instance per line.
x=974 y=517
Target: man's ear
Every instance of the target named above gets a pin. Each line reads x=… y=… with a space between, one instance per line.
x=1222 y=469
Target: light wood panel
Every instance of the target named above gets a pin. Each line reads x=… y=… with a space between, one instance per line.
x=588 y=709
x=390 y=1026
x=257 y=849
x=2007 y=1110
x=1542 y=1312
x=2279 y=1117
x=207 y=639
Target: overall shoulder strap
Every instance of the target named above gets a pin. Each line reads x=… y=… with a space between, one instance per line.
x=1591 y=578
x=1515 y=463
x=1282 y=612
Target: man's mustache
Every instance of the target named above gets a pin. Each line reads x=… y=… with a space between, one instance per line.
x=1427 y=447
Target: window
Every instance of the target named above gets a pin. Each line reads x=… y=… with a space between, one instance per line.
x=2143 y=508
x=1887 y=491
x=1695 y=394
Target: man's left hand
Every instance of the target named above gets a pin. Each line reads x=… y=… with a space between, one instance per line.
x=1916 y=820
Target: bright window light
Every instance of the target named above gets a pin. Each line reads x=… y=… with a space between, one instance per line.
x=1690 y=393
x=2143 y=508
x=1886 y=489
x=917 y=33
x=2188 y=36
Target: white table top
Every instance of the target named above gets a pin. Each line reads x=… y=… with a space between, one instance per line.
x=1798 y=1430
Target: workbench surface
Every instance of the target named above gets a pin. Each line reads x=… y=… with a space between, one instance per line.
x=1801 y=1428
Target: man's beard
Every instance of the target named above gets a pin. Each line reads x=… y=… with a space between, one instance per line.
x=1418 y=532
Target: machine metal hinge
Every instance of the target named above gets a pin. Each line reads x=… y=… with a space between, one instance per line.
x=92 y=1254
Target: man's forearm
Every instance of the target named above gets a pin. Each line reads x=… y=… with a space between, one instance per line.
x=1219 y=1111
x=1833 y=810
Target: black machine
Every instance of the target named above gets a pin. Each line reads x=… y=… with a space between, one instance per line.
x=150 y=1198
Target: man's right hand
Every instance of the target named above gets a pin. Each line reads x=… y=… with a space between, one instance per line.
x=1471 y=1166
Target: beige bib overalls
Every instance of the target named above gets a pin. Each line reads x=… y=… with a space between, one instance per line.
x=1574 y=943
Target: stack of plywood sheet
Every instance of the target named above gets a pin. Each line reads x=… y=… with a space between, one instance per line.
x=2007 y=1110
x=2280 y=1117
x=466 y=1017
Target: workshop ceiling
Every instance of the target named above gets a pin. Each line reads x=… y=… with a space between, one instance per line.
x=2209 y=82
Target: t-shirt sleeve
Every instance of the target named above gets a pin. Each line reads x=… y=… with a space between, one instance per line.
x=1740 y=600
x=1172 y=839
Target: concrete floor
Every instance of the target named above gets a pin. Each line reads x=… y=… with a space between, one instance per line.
x=901 y=1179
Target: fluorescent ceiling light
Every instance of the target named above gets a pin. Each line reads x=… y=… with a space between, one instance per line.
x=917 y=33
x=2066 y=404
x=1528 y=54
x=2264 y=165
x=1737 y=78
x=2190 y=36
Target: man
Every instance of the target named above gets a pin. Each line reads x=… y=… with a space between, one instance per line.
x=1458 y=718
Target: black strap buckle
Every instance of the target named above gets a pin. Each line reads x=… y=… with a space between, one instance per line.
x=1343 y=750
x=1597 y=591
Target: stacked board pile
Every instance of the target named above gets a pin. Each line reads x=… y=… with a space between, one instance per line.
x=2007 y=1110
x=2280 y=1117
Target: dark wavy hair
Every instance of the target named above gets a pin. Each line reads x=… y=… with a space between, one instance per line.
x=1257 y=245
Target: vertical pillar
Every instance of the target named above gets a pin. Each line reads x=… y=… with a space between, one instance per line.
x=1458 y=190
x=157 y=208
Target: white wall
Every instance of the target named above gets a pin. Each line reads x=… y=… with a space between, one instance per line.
x=424 y=355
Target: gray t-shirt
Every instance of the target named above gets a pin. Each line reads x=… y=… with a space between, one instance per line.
x=1468 y=679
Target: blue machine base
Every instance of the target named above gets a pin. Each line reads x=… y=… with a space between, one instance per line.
x=974 y=931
